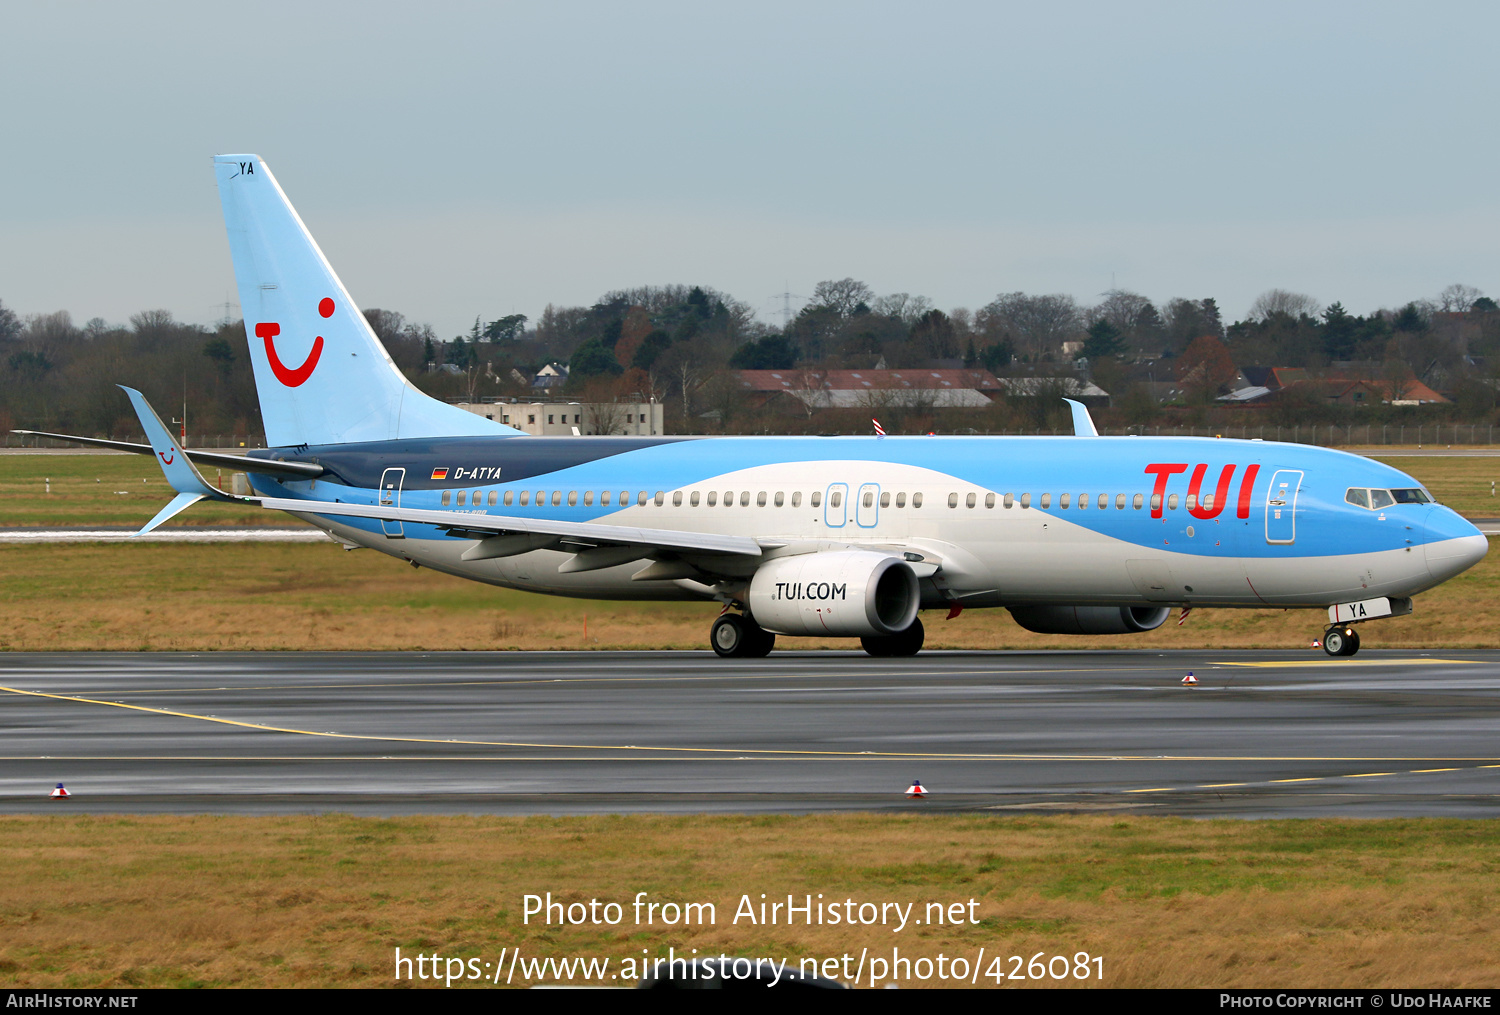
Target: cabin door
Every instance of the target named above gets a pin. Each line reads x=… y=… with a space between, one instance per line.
x=1281 y=507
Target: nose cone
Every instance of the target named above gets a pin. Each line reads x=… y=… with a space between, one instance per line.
x=1453 y=545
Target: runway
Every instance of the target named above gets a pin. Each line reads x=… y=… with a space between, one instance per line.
x=1264 y=734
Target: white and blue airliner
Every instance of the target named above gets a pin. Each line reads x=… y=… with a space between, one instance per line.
x=827 y=536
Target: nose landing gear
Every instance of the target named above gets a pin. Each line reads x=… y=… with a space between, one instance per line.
x=1341 y=640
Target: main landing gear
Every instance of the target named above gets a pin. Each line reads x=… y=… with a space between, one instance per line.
x=1341 y=640
x=737 y=636
x=903 y=643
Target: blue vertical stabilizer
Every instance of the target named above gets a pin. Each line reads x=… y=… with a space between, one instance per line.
x=322 y=375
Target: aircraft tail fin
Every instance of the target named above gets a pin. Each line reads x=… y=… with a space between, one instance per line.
x=321 y=374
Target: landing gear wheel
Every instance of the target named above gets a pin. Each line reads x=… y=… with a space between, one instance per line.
x=902 y=643
x=1341 y=641
x=737 y=637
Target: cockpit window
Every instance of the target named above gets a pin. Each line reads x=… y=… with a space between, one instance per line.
x=1411 y=496
x=1375 y=500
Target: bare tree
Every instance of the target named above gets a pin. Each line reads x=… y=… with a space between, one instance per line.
x=603 y=418
x=903 y=306
x=1280 y=301
x=1457 y=299
x=1120 y=307
x=1040 y=324
x=843 y=297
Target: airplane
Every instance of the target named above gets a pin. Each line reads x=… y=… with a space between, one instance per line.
x=846 y=537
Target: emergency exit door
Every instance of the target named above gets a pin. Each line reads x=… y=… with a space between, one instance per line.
x=390 y=496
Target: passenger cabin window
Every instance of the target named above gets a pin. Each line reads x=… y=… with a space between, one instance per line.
x=677 y=498
x=572 y=498
x=971 y=500
x=780 y=498
x=510 y=497
x=1103 y=501
x=989 y=500
x=952 y=500
x=1156 y=502
x=1083 y=501
x=1172 y=502
x=1025 y=501
x=760 y=499
x=869 y=499
x=588 y=498
x=1137 y=501
x=745 y=498
x=816 y=499
x=1046 y=501
x=1119 y=502
x=447 y=497
x=1192 y=501
x=713 y=498
x=693 y=498
x=916 y=500
x=1064 y=499
x=901 y=500
x=640 y=499
x=478 y=497
x=493 y=498
x=796 y=498
x=556 y=497
x=660 y=498
x=604 y=498
x=1010 y=501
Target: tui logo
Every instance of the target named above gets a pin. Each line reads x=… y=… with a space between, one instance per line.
x=289 y=376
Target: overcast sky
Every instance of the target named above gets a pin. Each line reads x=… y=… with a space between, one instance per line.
x=456 y=160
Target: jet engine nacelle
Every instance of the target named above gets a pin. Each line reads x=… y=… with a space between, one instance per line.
x=845 y=593
x=1090 y=619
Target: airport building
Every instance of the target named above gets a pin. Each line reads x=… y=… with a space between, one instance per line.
x=560 y=418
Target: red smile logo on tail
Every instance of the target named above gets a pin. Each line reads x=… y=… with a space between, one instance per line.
x=289 y=376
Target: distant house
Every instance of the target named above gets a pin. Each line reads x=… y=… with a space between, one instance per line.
x=553 y=375
x=1266 y=384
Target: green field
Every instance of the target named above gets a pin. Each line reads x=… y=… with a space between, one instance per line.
x=301 y=901
x=112 y=490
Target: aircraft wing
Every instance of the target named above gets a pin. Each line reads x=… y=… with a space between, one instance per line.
x=239 y=463
x=484 y=526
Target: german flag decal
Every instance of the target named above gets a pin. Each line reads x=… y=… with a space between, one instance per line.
x=439 y=473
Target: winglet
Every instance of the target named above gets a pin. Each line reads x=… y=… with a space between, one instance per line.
x=181 y=474
x=1083 y=424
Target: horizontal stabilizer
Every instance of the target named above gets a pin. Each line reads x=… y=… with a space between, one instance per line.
x=239 y=463
x=176 y=504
